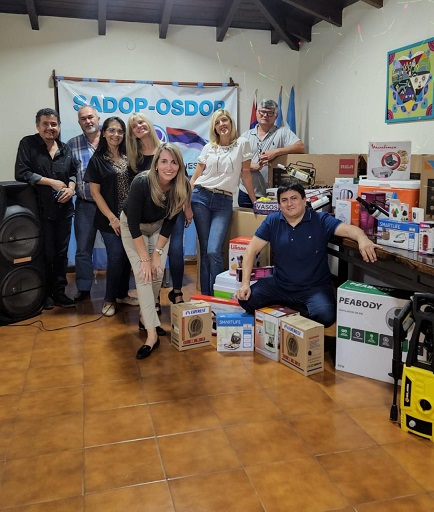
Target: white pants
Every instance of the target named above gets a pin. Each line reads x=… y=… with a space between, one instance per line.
x=146 y=293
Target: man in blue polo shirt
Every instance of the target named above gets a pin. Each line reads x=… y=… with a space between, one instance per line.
x=298 y=237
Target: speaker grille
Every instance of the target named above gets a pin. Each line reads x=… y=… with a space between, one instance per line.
x=22 y=291
x=19 y=235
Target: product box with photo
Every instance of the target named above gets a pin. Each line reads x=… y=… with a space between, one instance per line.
x=235 y=332
x=191 y=324
x=389 y=160
x=302 y=344
x=267 y=330
x=364 y=333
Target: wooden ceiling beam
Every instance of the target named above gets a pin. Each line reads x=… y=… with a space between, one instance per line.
x=102 y=17
x=375 y=3
x=328 y=12
x=33 y=15
x=271 y=14
x=224 y=24
x=165 y=18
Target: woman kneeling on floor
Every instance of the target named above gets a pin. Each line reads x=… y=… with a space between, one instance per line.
x=155 y=200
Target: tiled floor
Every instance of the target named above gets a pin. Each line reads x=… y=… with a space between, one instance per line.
x=84 y=426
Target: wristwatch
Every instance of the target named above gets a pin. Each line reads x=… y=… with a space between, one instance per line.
x=160 y=251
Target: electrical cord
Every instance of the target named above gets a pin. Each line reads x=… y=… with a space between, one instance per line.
x=42 y=328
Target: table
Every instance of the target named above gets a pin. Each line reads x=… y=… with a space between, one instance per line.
x=398 y=268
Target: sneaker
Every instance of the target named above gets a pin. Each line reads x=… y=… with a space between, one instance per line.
x=108 y=309
x=49 y=303
x=63 y=301
x=131 y=301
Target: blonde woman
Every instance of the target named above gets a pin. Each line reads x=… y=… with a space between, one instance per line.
x=222 y=163
x=142 y=143
x=155 y=200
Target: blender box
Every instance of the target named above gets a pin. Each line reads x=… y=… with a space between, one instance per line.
x=267 y=330
x=348 y=210
x=426 y=238
x=237 y=248
x=191 y=324
x=364 y=332
x=302 y=344
x=393 y=233
x=235 y=332
x=389 y=160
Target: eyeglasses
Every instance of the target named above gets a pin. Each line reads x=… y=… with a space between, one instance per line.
x=113 y=131
x=266 y=113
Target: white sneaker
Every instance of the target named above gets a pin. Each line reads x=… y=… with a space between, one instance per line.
x=131 y=301
x=108 y=309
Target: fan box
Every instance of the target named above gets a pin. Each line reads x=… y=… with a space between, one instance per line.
x=191 y=325
x=302 y=345
x=267 y=330
x=235 y=332
x=364 y=333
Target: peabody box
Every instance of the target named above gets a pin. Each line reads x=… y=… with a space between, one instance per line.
x=235 y=332
x=302 y=345
x=191 y=325
x=364 y=334
x=267 y=330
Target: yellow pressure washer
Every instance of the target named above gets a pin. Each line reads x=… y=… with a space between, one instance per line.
x=417 y=373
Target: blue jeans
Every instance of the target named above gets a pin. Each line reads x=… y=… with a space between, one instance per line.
x=244 y=200
x=212 y=216
x=118 y=268
x=319 y=303
x=176 y=252
x=85 y=235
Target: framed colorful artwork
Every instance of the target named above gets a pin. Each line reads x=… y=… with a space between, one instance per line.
x=410 y=90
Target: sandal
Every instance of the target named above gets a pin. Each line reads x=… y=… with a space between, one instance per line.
x=172 y=295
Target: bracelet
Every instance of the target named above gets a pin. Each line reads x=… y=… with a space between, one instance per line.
x=145 y=261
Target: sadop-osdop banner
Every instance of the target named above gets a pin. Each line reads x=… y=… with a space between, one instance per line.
x=180 y=114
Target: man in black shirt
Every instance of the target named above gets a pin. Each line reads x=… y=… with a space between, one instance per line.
x=46 y=163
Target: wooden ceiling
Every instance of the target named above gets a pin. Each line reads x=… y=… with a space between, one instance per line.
x=290 y=21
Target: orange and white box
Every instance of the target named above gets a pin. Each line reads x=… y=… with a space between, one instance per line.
x=237 y=248
x=348 y=210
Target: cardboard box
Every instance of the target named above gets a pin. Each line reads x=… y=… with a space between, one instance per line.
x=237 y=248
x=368 y=223
x=403 y=235
x=235 y=332
x=267 y=330
x=426 y=238
x=191 y=325
x=348 y=210
x=426 y=200
x=245 y=223
x=364 y=334
x=218 y=305
x=302 y=345
x=346 y=189
x=389 y=160
x=325 y=168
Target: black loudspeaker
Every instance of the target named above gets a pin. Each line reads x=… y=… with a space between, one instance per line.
x=22 y=271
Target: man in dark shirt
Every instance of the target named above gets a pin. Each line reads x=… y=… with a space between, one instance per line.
x=48 y=164
x=298 y=237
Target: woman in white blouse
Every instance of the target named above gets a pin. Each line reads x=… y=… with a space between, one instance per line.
x=221 y=165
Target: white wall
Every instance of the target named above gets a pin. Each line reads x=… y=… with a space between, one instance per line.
x=128 y=51
x=342 y=78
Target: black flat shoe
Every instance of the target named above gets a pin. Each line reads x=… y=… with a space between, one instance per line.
x=159 y=329
x=81 y=295
x=172 y=297
x=146 y=350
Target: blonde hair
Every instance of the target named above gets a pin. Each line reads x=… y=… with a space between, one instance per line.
x=213 y=135
x=179 y=190
x=134 y=145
